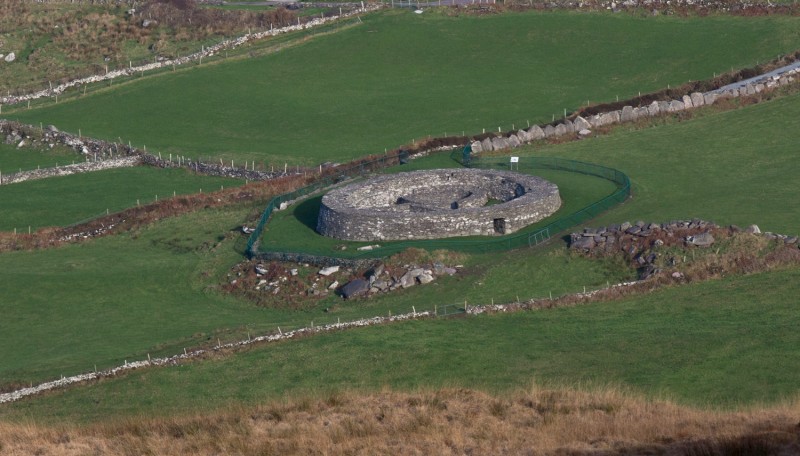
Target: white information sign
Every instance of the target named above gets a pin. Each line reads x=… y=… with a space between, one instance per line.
x=514 y=159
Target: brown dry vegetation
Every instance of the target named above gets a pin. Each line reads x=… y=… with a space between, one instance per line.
x=449 y=421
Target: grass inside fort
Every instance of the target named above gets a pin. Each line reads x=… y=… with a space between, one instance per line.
x=65 y=200
x=294 y=230
x=399 y=76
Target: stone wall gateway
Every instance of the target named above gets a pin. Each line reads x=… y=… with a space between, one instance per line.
x=437 y=204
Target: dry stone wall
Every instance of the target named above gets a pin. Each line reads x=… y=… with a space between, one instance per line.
x=101 y=155
x=581 y=126
x=437 y=204
x=67 y=170
x=205 y=52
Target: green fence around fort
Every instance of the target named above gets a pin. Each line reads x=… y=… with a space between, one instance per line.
x=526 y=238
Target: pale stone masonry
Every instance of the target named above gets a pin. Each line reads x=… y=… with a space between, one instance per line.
x=437 y=204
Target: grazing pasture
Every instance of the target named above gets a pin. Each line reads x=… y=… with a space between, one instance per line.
x=399 y=76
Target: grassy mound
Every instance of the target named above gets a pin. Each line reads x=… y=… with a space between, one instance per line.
x=400 y=76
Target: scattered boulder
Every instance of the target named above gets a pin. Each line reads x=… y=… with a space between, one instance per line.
x=425 y=278
x=10 y=57
x=328 y=271
x=701 y=240
x=753 y=229
x=476 y=147
x=583 y=243
x=333 y=285
x=581 y=124
x=407 y=280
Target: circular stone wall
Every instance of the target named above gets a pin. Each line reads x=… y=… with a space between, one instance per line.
x=436 y=204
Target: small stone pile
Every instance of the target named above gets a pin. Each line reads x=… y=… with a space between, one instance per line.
x=381 y=280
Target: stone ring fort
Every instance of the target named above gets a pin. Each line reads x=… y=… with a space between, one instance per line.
x=436 y=204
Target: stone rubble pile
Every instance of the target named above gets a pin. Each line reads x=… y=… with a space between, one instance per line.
x=583 y=126
x=380 y=280
x=636 y=240
x=206 y=52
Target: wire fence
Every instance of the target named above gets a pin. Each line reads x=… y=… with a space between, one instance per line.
x=334 y=176
x=525 y=238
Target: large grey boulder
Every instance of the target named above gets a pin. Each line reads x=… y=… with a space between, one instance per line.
x=425 y=278
x=653 y=109
x=581 y=124
x=627 y=114
x=354 y=288
x=514 y=141
x=701 y=240
x=697 y=99
x=549 y=131
x=709 y=98
x=524 y=136
x=687 y=102
x=675 y=106
x=499 y=143
x=536 y=132
x=583 y=243
x=560 y=130
x=476 y=147
x=408 y=280
x=486 y=144
x=570 y=127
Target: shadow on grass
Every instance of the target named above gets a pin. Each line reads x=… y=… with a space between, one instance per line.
x=307 y=211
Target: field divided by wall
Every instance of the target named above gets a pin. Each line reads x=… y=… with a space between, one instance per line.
x=168 y=272
x=400 y=76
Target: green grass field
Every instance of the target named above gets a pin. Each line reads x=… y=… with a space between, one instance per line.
x=400 y=76
x=728 y=342
x=169 y=269
x=66 y=200
x=13 y=159
x=729 y=167
x=152 y=291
